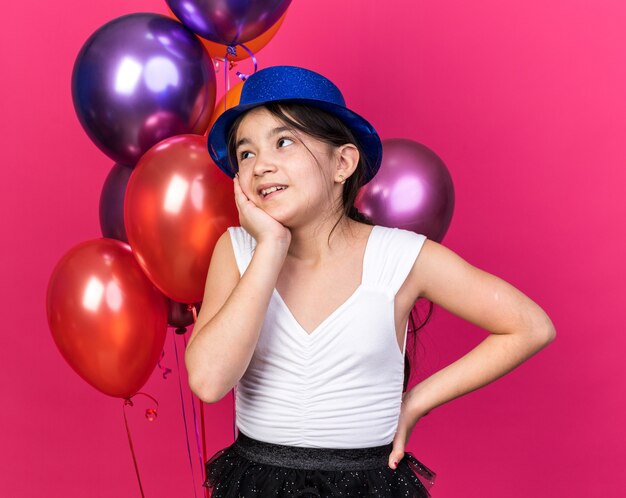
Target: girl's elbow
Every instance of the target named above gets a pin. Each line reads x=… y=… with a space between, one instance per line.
x=550 y=335
x=207 y=389
x=541 y=337
x=548 y=330
x=543 y=330
x=204 y=392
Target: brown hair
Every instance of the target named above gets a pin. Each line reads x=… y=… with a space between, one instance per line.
x=331 y=130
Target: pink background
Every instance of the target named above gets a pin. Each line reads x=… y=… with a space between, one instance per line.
x=524 y=102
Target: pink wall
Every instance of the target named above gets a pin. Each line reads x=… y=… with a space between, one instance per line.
x=524 y=102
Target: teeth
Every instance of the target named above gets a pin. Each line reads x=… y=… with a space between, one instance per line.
x=268 y=191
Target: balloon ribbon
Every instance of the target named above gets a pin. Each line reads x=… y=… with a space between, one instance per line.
x=151 y=414
x=192 y=308
x=232 y=50
x=182 y=404
x=166 y=370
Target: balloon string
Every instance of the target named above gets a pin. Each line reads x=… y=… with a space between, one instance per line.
x=151 y=414
x=195 y=422
x=182 y=404
x=166 y=371
x=234 y=412
x=202 y=428
x=192 y=308
x=226 y=85
x=244 y=76
x=232 y=50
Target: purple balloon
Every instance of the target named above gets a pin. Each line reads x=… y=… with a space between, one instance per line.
x=139 y=79
x=178 y=315
x=228 y=21
x=112 y=203
x=412 y=190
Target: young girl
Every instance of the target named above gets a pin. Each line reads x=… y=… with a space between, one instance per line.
x=306 y=306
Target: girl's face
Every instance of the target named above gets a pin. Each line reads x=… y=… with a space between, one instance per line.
x=267 y=152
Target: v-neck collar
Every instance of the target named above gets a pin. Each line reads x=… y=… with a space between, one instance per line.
x=364 y=268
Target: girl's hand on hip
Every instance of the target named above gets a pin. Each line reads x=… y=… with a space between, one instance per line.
x=257 y=222
x=406 y=423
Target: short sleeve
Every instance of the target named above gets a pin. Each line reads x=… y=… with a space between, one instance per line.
x=396 y=254
x=243 y=246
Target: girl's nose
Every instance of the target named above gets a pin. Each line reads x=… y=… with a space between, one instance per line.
x=264 y=163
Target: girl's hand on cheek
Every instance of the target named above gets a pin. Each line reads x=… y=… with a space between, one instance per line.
x=257 y=222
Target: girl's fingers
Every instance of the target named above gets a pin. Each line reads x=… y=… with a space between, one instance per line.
x=237 y=187
x=240 y=196
x=241 y=190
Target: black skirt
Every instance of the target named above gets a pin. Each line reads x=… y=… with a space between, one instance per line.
x=253 y=468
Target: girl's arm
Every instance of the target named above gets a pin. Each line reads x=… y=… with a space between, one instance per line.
x=519 y=327
x=227 y=328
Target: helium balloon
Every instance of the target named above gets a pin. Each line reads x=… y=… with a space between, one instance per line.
x=139 y=79
x=412 y=190
x=228 y=22
x=177 y=204
x=230 y=99
x=178 y=315
x=107 y=319
x=217 y=50
x=112 y=203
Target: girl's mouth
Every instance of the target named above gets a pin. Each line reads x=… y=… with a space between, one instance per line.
x=272 y=194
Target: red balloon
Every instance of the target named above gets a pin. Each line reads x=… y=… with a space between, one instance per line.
x=177 y=204
x=107 y=319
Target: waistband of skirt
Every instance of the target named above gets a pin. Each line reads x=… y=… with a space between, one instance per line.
x=300 y=457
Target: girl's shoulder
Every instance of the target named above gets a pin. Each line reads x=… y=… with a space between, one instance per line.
x=243 y=246
x=388 y=237
x=399 y=235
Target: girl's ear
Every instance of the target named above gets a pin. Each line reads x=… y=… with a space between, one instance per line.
x=347 y=160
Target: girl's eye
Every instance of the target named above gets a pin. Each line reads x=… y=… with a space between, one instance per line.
x=284 y=138
x=242 y=155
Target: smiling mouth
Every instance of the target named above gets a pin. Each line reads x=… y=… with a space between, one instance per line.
x=272 y=194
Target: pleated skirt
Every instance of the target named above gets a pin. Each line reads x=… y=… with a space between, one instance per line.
x=251 y=468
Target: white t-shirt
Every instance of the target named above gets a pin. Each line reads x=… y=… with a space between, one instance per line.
x=341 y=385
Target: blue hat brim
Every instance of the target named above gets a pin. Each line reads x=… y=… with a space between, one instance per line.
x=364 y=132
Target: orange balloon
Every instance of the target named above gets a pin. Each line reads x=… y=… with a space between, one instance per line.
x=255 y=45
x=232 y=98
x=107 y=319
x=177 y=204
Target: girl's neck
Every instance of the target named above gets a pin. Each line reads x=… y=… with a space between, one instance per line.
x=311 y=244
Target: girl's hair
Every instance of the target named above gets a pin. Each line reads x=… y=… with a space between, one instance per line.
x=329 y=129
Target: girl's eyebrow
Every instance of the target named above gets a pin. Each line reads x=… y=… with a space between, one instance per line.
x=272 y=132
